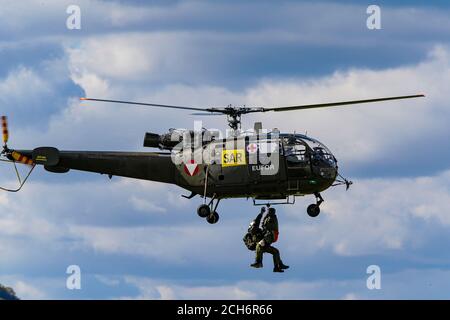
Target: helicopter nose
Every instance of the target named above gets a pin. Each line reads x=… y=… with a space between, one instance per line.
x=325 y=166
x=327 y=172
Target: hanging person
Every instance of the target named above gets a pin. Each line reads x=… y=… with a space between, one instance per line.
x=261 y=240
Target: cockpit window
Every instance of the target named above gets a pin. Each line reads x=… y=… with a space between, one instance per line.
x=298 y=148
x=321 y=155
x=295 y=150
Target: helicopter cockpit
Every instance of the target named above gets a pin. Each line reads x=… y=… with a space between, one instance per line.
x=304 y=154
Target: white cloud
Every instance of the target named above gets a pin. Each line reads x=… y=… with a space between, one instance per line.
x=21 y=88
x=430 y=283
x=145 y=205
x=152 y=289
x=163 y=244
x=410 y=284
x=109 y=281
x=367 y=132
x=350 y=296
x=374 y=216
x=110 y=56
x=26 y=291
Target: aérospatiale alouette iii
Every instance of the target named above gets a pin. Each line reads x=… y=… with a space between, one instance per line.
x=267 y=166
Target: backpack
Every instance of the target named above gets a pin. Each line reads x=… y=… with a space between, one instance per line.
x=249 y=241
x=252 y=237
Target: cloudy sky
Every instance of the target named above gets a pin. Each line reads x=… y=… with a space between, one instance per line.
x=138 y=239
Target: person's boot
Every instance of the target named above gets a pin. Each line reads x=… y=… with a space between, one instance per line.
x=277 y=269
x=257 y=265
x=283 y=266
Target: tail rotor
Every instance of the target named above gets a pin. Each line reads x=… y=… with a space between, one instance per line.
x=11 y=154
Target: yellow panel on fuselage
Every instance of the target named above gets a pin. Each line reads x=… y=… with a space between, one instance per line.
x=233 y=158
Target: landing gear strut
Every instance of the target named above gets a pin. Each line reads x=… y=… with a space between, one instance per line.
x=313 y=210
x=208 y=211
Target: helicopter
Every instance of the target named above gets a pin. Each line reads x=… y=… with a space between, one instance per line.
x=269 y=167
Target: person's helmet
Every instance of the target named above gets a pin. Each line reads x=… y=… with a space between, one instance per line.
x=272 y=210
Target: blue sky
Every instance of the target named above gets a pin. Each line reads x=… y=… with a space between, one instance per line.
x=135 y=239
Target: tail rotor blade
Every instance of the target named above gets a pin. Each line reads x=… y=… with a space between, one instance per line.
x=5 y=132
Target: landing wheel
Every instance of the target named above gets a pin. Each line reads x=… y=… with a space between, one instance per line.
x=203 y=211
x=213 y=218
x=313 y=210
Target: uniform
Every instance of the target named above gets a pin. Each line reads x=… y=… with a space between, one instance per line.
x=268 y=235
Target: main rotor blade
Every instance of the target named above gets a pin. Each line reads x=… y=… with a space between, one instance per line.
x=212 y=113
x=342 y=103
x=147 y=104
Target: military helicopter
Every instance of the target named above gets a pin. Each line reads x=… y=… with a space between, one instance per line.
x=268 y=166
